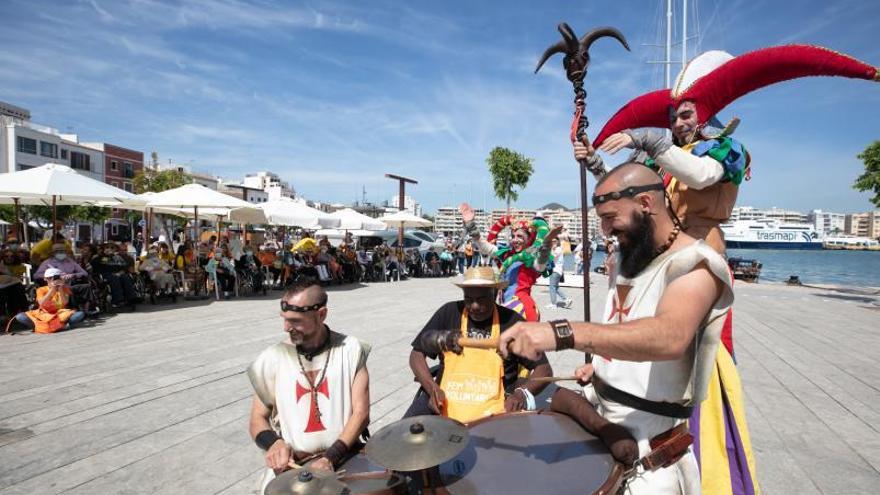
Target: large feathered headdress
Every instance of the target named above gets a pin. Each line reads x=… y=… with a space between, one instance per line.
x=715 y=79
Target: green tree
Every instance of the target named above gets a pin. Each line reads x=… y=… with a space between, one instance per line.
x=870 y=180
x=509 y=170
x=152 y=180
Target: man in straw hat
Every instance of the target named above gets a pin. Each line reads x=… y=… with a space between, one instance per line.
x=472 y=383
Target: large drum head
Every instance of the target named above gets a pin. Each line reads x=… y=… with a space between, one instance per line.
x=530 y=453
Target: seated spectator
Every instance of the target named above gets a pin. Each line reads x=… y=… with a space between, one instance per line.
x=272 y=262
x=114 y=267
x=158 y=270
x=44 y=249
x=71 y=272
x=52 y=313
x=221 y=267
x=13 y=262
x=252 y=267
x=164 y=253
x=86 y=253
x=447 y=260
x=432 y=261
x=13 y=298
x=414 y=263
x=187 y=261
x=392 y=263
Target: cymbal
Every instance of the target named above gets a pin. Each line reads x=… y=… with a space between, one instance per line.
x=417 y=443
x=304 y=481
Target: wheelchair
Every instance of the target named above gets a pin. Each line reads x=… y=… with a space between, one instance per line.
x=144 y=285
x=250 y=282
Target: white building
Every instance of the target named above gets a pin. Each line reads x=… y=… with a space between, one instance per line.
x=409 y=204
x=271 y=183
x=448 y=222
x=571 y=220
x=25 y=145
x=249 y=194
x=828 y=223
x=207 y=180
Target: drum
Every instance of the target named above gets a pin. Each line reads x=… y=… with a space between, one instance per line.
x=531 y=452
x=363 y=477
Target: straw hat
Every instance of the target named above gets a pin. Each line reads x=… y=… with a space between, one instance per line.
x=481 y=276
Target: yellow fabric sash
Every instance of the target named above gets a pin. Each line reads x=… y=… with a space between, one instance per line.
x=473 y=381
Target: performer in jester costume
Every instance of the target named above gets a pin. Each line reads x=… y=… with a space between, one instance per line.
x=521 y=263
x=703 y=167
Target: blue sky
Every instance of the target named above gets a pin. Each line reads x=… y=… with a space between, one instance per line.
x=332 y=95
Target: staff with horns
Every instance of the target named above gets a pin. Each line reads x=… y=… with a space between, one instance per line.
x=575 y=63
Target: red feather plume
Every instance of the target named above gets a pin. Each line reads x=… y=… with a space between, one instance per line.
x=740 y=76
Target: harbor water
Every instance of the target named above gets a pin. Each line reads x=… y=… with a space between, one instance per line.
x=843 y=268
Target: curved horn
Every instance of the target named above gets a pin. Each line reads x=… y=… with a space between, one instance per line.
x=570 y=38
x=602 y=32
x=559 y=47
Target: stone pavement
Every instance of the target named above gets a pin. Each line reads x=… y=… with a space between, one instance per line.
x=156 y=401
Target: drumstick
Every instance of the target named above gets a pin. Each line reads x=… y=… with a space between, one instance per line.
x=478 y=343
x=551 y=379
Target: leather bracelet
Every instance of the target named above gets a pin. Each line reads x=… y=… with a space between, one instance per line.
x=336 y=453
x=266 y=438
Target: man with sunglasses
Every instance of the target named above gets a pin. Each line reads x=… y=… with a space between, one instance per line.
x=653 y=357
x=311 y=391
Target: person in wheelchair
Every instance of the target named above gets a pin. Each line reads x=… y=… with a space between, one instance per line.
x=71 y=272
x=13 y=297
x=414 y=263
x=222 y=268
x=432 y=262
x=187 y=261
x=250 y=267
x=159 y=271
x=114 y=269
x=269 y=259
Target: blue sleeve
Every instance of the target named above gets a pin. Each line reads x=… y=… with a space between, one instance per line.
x=730 y=153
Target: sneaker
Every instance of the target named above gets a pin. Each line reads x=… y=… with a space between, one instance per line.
x=550 y=306
x=567 y=304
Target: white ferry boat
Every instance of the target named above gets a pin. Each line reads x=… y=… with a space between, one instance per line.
x=770 y=234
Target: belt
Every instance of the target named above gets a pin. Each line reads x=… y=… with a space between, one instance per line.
x=668 y=409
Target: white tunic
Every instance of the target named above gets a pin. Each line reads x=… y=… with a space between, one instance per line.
x=680 y=381
x=280 y=384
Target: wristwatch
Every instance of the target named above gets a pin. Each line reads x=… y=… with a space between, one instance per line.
x=562 y=332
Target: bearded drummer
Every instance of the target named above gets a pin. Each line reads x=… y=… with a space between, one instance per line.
x=311 y=391
x=472 y=383
x=667 y=301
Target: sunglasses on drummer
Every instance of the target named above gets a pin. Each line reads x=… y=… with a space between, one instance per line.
x=629 y=192
x=285 y=306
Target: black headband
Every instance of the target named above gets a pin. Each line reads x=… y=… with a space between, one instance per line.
x=629 y=192
x=301 y=309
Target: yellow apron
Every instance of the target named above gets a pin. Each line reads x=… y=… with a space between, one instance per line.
x=473 y=381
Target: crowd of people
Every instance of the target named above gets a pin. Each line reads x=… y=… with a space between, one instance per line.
x=50 y=286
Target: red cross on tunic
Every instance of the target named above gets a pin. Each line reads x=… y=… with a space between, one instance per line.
x=314 y=423
x=617 y=308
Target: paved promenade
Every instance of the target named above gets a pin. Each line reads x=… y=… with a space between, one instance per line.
x=156 y=402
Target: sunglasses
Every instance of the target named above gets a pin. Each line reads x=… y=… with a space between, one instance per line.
x=629 y=192
x=54 y=277
x=301 y=309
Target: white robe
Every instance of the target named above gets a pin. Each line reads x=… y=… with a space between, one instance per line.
x=680 y=381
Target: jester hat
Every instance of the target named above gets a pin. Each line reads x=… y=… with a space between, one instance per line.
x=716 y=79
